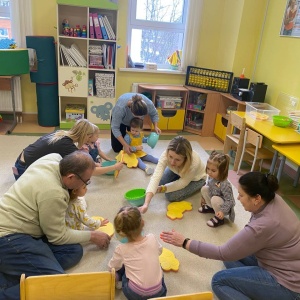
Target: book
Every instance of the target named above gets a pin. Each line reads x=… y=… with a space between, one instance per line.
x=104 y=33
x=92 y=33
x=98 y=31
x=109 y=29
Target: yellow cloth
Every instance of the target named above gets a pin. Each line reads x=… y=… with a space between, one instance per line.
x=137 y=141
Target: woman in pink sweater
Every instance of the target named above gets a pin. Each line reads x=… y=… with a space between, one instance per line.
x=263 y=260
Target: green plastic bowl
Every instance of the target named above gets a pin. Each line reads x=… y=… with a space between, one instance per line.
x=282 y=121
x=152 y=139
x=108 y=164
x=136 y=197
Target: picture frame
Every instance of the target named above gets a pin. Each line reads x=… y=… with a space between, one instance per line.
x=290 y=26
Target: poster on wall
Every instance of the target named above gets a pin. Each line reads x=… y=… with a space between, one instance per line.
x=291 y=19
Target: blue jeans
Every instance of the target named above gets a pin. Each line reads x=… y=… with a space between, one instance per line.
x=131 y=295
x=21 y=253
x=189 y=190
x=21 y=168
x=245 y=280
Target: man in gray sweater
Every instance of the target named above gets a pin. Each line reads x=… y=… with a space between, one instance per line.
x=34 y=238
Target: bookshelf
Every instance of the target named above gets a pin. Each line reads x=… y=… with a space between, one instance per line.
x=86 y=51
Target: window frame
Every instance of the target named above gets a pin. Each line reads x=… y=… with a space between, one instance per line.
x=134 y=23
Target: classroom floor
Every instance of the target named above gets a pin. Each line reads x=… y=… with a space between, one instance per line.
x=291 y=194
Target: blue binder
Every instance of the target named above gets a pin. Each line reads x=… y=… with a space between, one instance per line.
x=102 y=26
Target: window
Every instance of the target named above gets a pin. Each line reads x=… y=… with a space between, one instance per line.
x=5 y=24
x=156 y=30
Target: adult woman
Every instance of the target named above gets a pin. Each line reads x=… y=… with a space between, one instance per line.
x=61 y=142
x=263 y=259
x=179 y=173
x=130 y=105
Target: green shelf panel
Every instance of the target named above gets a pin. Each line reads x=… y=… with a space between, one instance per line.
x=104 y=4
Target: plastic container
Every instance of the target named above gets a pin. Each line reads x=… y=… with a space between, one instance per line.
x=282 y=121
x=169 y=102
x=261 y=111
x=74 y=112
x=136 y=197
x=152 y=139
x=108 y=164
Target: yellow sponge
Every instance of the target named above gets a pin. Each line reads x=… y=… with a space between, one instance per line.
x=168 y=261
x=175 y=210
x=107 y=228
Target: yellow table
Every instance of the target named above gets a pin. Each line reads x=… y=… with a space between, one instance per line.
x=287 y=142
x=277 y=135
x=291 y=152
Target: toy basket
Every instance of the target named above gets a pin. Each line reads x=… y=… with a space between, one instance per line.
x=282 y=121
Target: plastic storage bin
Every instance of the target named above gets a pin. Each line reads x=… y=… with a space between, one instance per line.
x=168 y=102
x=261 y=111
x=74 y=112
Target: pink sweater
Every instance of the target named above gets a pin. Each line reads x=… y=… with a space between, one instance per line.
x=272 y=235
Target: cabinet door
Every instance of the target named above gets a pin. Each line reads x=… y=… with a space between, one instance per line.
x=99 y=110
x=163 y=121
x=73 y=82
x=176 y=121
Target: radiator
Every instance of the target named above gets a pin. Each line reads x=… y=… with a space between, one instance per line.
x=6 y=101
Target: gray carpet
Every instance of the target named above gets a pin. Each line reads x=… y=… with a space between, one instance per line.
x=105 y=197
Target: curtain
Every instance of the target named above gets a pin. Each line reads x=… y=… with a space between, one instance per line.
x=21 y=21
x=190 y=44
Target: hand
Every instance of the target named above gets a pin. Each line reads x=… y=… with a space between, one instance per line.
x=157 y=130
x=98 y=164
x=85 y=148
x=161 y=189
x=100 y=239
x=126 y=148
x=143 y=209
x=118 y=166
x=139 y=147
x=172 y=237
x=104 y=222
x=220 y=215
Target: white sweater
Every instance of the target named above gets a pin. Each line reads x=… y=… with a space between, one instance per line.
x=195 y=173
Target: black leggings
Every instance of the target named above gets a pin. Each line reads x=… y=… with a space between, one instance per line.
x=115 y=144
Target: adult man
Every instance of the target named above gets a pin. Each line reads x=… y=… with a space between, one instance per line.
x=33 y=236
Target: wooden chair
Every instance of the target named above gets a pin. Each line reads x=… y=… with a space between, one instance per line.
x=234 y=138
x=258 y=152
x=195 y=296
x=76 y=286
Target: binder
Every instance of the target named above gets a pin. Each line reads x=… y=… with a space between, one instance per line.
x=104 y=33
x=109 y=29
x=92 y=34
x=97 y=27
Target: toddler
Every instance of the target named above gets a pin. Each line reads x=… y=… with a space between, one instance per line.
x=93 y=146
x=135 y=138
x=217 y=195
x=76 y=215
x=136 y=259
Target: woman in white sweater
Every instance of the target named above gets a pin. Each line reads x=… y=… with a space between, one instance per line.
x=179 y=173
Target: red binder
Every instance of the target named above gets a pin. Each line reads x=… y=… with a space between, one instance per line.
x=97 y=27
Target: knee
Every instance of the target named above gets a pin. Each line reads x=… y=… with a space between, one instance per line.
x=73 y=257
x=172 y=197
x=217 y=279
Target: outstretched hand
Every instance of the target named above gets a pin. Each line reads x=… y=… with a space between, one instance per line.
x=172 y=237
x=100 y=239
x=104 y=222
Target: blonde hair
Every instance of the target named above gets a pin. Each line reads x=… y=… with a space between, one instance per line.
x=138 y=106
x=128 y=222
x=78 y=133
x=183 y=147
x=221 y=161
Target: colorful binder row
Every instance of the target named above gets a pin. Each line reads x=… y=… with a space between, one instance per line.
x=100 y=27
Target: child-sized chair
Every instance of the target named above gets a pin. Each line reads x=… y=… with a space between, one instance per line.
x=235 y=137
x=258 y=152
x=195 y=296
x=76 y=286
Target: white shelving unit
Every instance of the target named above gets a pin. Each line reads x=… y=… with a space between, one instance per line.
x=93 y=84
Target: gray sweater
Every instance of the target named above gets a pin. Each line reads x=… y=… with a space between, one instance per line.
x=272 y=235
x=121 y=113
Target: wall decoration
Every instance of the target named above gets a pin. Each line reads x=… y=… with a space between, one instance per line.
x=291 y=19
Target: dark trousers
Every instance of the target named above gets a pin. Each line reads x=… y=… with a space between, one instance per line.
x=115 y=144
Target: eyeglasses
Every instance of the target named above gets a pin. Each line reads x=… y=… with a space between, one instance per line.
x=85 y=182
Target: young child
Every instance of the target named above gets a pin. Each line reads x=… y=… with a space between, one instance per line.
x=136 y=260
x=135 y=138
x=76 y=215
x=93 y=146
x=217 y=195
